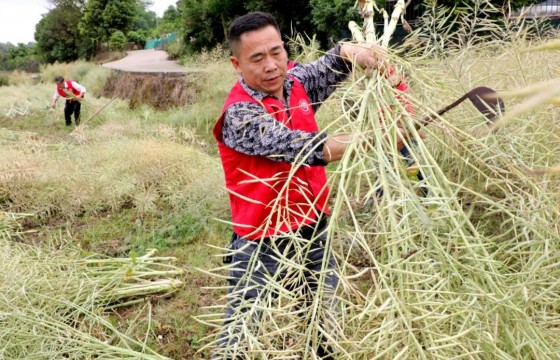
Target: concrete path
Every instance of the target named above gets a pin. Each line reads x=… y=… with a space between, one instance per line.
x=149 y=61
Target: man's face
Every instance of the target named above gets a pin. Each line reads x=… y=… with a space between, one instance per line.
x=261 y=59
x=60 y=84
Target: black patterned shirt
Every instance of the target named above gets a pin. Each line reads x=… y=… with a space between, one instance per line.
x=249 y=129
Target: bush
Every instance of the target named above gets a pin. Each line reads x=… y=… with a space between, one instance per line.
x=20 y=78
x=174 y=50
x=117 y=41
x=137 y=37
x=4 y=80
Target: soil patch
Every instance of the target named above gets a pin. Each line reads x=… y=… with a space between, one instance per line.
x=160 y=90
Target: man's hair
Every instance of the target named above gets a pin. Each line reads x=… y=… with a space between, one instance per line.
x=58 y=79
x=250 y=22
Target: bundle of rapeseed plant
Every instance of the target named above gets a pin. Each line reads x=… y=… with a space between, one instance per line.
x=55 y=302
x=462 y=262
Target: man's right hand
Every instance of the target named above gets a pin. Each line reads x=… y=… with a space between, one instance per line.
x=367 y=56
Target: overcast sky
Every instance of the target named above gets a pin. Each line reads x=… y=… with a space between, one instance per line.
x=19 y=17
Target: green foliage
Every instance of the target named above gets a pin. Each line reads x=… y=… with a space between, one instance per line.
x=103 y=17
x=205 y=23
x=174 y=49
x=57 y=35
x=297 y=17
x=80 y=4
x=170 y=21
x=117 y=41
x=201 y=28
x=332 y=17
x=500 y=3
x=138 y=37
x=77 y=29
x=4 y=79
x=118 y=15
x=21 y=57
x=143 y=19
x=89 y=24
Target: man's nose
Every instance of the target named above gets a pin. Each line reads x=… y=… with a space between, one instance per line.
x=270 y=64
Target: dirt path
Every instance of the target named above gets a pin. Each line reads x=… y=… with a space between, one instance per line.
x=148 y=61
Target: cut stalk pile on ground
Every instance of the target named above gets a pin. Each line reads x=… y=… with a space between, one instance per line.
x=56 y=302
x=467 y=271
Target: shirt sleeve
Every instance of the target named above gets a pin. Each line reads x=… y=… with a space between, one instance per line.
x=249 y=129
x=56 y=95
x=320 y=77
x=79 y=87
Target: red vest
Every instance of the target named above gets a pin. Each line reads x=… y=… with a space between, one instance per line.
x=404 y=100
x=269 y=197
x=69 y=86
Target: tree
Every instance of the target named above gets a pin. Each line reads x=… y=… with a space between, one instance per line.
x=103 y=17
x=57 y=35
x=143 y=19
x=291 y=15
x=170 y=21
x=205 y=23
x=332 y=16
x=118 y=15
x=90 y=24
x=201 y=28
x=80 y=4
x=20 y=56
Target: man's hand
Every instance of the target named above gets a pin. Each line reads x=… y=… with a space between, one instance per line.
x=395 y=79
x=367 y=56
x=403 y=134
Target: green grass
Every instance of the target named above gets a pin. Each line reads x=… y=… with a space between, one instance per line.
x=117 y=233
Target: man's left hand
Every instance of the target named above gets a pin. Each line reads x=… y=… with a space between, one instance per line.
x=403 y=134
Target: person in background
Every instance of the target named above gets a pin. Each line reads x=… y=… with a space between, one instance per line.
x=74 y=93
x=274 y=157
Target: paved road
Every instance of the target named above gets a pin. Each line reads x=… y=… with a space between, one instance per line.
x=147 y=61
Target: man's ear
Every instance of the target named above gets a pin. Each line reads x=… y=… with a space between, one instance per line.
x=235 y=62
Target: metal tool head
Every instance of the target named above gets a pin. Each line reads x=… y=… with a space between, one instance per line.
x=487 y=101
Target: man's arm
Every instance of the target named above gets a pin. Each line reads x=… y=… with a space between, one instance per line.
x=249 y=129
x=54 y=98
x=334 y=147
x=80 y=88
x=320 y=77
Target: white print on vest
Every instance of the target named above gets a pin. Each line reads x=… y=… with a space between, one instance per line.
x=304 y=106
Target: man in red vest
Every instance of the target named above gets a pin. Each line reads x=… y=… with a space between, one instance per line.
x=73 y=92
x=274 y=159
